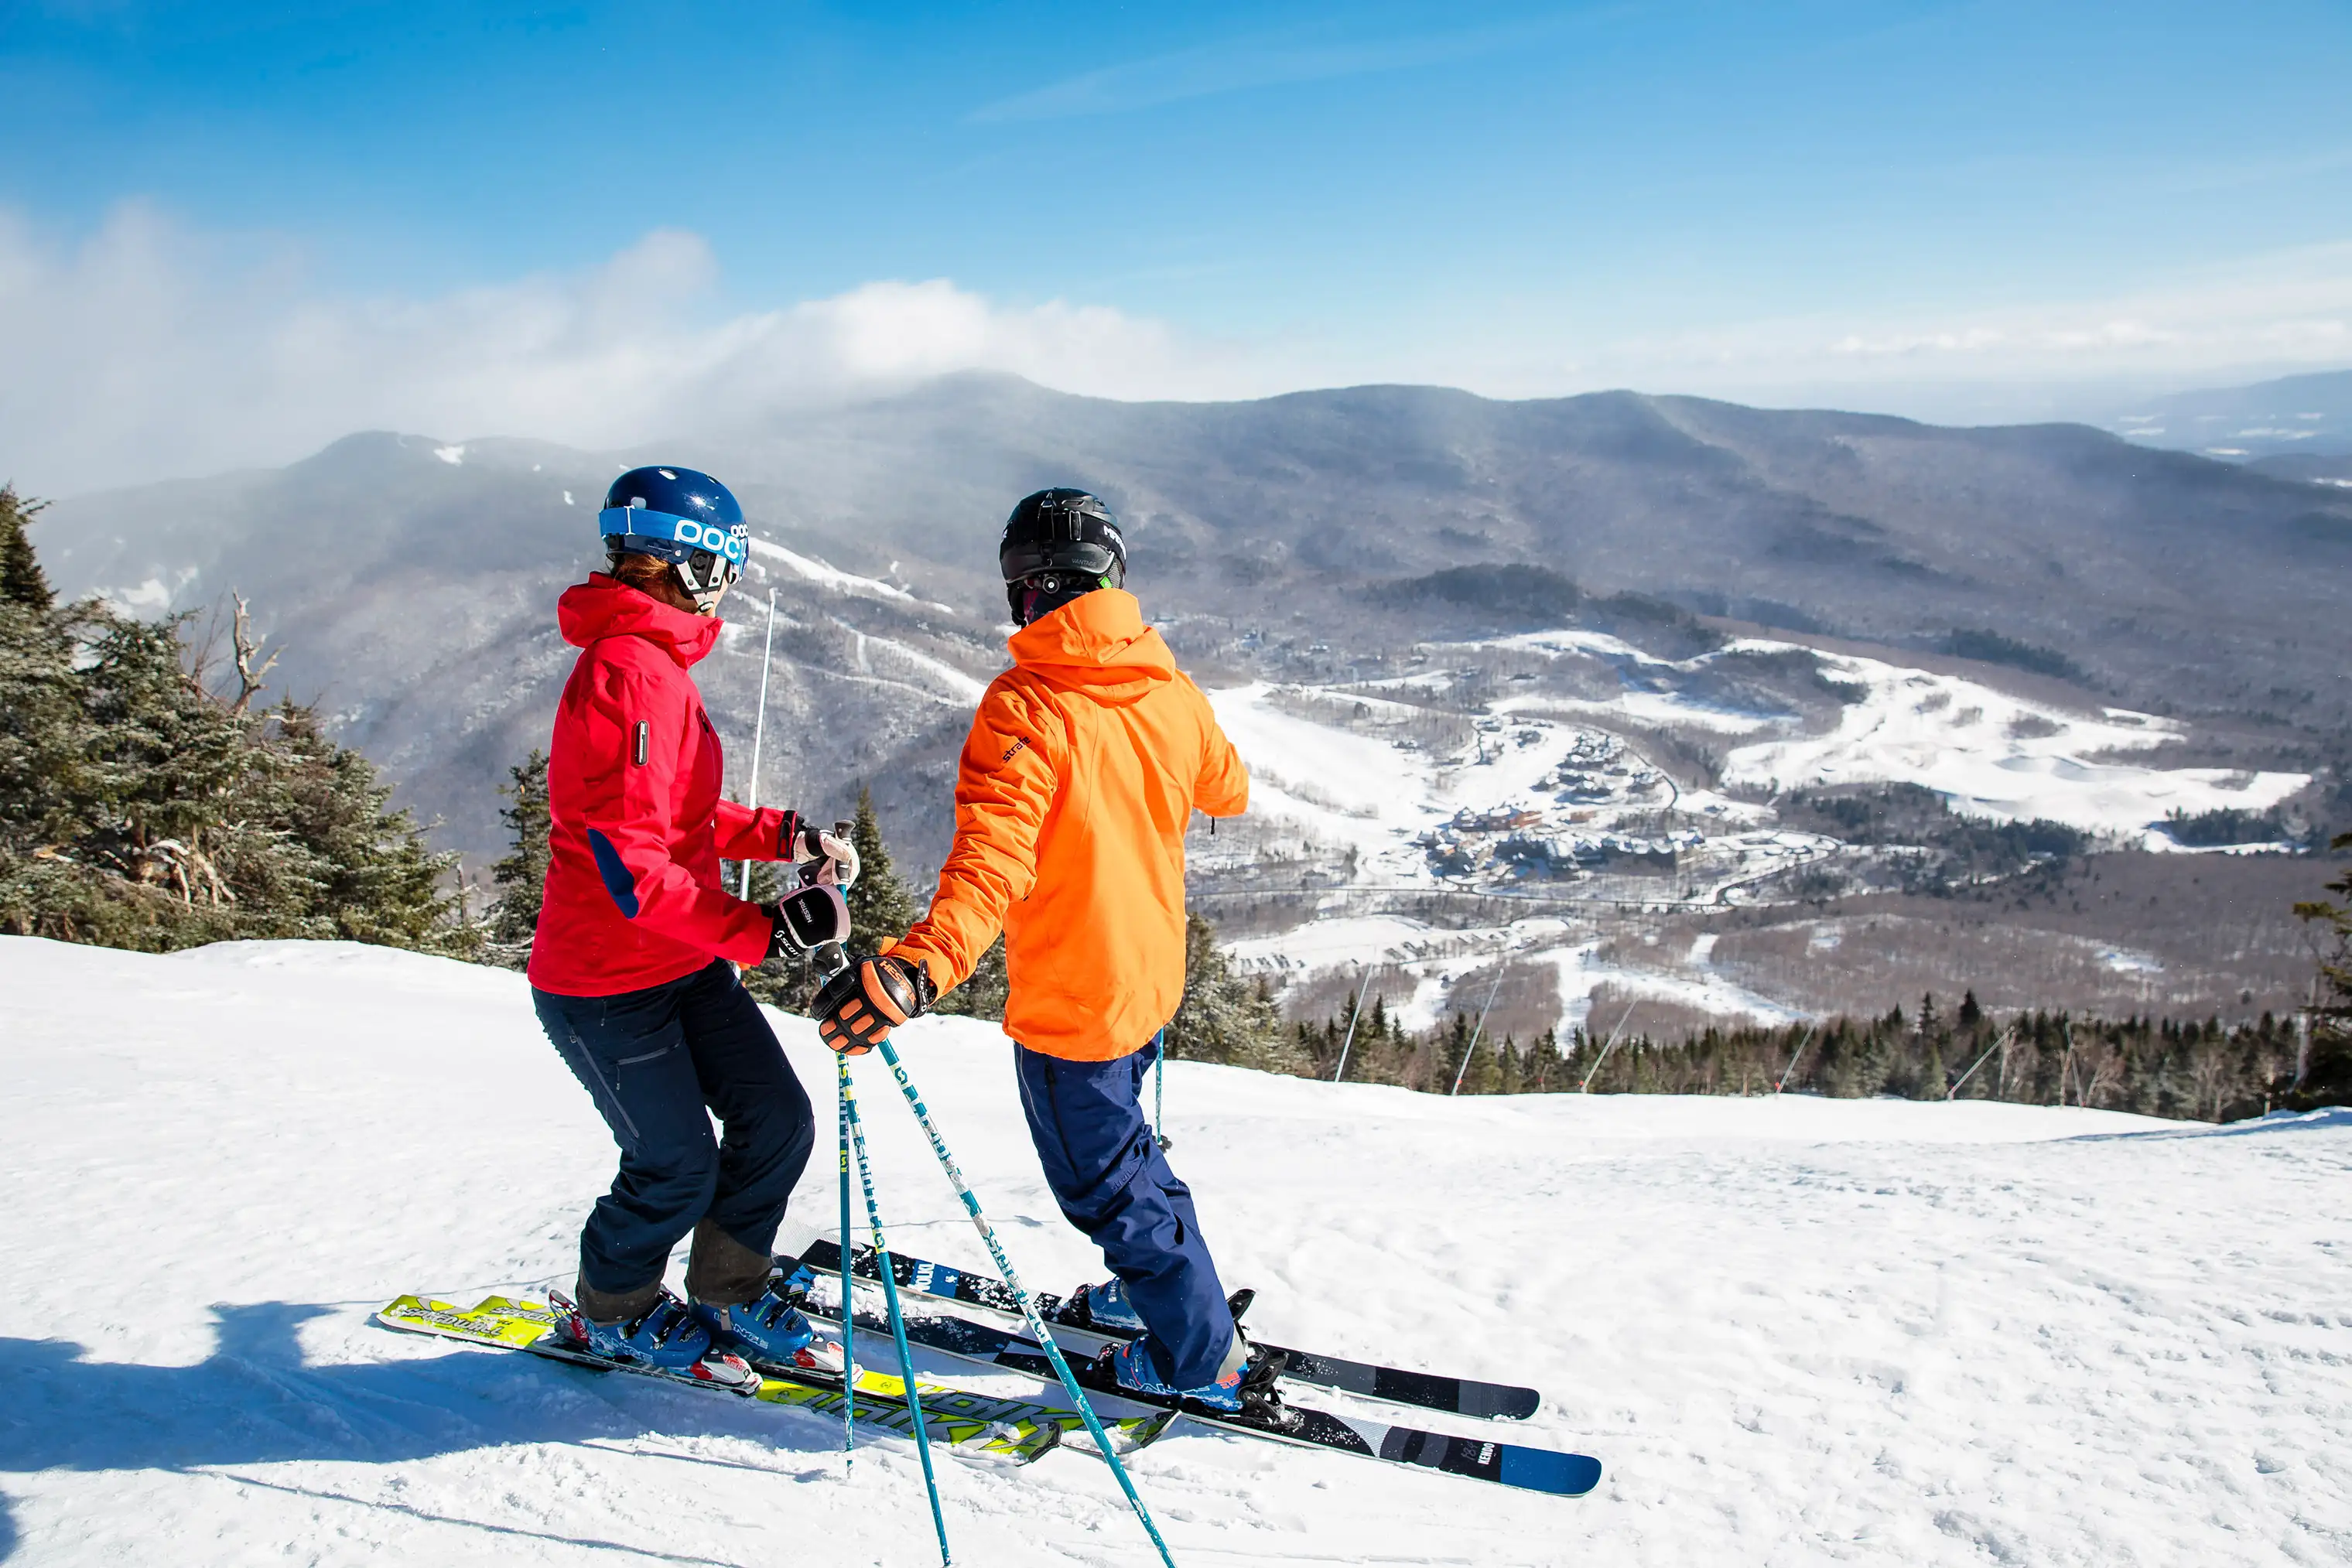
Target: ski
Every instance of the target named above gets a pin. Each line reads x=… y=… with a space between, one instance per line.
x=975 y=1426
x=1504 y=1464
x=1395 y=1385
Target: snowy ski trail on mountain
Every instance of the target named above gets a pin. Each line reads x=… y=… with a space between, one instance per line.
x=1796 y=1331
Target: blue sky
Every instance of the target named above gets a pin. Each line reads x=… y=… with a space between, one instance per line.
x=1760 y=200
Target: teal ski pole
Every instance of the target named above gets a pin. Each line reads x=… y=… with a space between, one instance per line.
x=848 y=1329
x=831 y=959
x=1021 y=1296
x=891 y=1291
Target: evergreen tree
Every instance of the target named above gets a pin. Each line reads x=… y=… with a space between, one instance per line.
x=984 y=995
x=2322 y=1073
x=1225 y=1017
x=22 y=582
x=522 y=872
x=881 y=907
x=138 y=809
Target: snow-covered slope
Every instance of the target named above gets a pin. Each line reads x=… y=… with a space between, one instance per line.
x=1987 y=752
x=1797 y=1331
x=1994 y=755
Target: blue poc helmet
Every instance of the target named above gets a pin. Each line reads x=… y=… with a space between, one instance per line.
x=682 y=517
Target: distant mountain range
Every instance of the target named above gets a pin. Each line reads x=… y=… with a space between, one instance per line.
x=2296 y=415
x=412 y=579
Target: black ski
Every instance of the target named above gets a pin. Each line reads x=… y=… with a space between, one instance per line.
x=1504 y=1464
x=1427 y=1391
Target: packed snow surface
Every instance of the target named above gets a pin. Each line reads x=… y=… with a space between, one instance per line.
x=1796 y=1331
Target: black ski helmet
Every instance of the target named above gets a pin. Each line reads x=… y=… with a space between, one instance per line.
x=681 y=515
x=1059 y=544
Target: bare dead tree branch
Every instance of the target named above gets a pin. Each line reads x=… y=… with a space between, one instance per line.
x=246 y=646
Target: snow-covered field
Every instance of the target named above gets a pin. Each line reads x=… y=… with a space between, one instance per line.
x=1994 y=755
x=1796 y=1331
x=1988 y=753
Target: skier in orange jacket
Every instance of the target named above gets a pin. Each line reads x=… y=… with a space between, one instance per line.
x=1086 y=762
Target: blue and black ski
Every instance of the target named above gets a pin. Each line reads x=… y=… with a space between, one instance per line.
x=1427 y=1391
x=1504 y=1464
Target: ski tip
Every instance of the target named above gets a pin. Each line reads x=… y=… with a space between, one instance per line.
x=1499 y=1401
x=1540 y=1470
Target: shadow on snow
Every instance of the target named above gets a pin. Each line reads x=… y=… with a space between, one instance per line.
x=254 y=1402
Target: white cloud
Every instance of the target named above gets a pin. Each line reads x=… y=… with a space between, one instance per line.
x=152 y=349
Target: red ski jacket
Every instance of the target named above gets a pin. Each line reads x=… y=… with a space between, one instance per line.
x=633 y=894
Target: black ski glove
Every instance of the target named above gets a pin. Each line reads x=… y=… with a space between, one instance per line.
x=857 y=1009
x=805 y=918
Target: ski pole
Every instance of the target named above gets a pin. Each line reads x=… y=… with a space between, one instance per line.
x=849 y=1334
x=890 y=1293
x=1159 y=1092
x=759 y=732
x=1021 y=1297
x=831 y=960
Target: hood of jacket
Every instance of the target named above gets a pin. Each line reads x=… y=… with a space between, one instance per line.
x=602 y=607
x=1096 y=643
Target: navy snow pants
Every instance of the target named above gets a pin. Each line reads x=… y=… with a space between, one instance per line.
x=1113 y=1182
x=654 y=1060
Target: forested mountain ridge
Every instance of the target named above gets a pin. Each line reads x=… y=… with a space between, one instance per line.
x=412 y=579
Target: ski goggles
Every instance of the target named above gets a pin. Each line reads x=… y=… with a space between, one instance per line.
x=730 y=541
x=708 y=556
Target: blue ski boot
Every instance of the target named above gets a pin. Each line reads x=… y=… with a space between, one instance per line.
x=665 y=1338
x=1105 y=1307
x=1244 y=1387
x=772 y=1331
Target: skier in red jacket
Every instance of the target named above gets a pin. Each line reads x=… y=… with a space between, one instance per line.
x=633 y=968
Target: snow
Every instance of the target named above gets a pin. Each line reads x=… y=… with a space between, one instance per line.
x=1998 y=756
x=1988 y=753
x=825 y=575
x=963 y=690
x=1797 y=1331
x=452 y=455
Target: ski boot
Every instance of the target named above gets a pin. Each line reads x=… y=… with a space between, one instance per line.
x=666 y=1338
x=772 y=1331
x=1243 y=1390
x=1104 y=1308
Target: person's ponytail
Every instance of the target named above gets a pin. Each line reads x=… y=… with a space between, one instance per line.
x=645 y=573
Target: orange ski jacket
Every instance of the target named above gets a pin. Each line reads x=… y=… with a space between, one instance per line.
x=1085 y=764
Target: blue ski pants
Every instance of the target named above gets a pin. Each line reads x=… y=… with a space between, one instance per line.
x=1113 y=1182
x=659 y=1062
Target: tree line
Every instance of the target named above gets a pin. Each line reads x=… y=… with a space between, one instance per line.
x=2183 y=1069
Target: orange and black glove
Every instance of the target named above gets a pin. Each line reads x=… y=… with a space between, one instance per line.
x=857 y=1009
